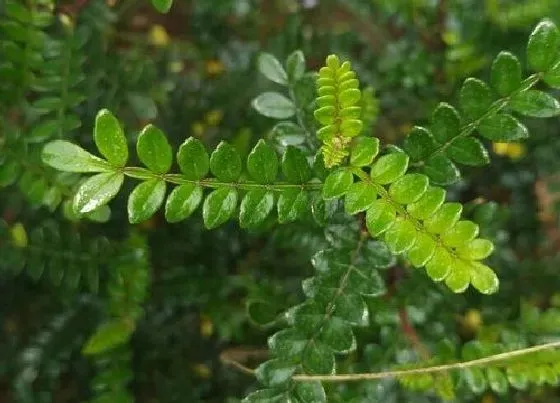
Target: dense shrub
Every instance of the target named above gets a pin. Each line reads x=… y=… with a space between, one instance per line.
x=279 y=201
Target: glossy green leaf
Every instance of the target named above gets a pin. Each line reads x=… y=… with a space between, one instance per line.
x=266 y=396
x=441 y=170
x=255 y=207
x=275 y=372
x=359 y=197
x=163 y=6
x=363 y=151
x=219 y=206
x=446 y=123
x=505 y=74
x=422 y=250
x=337 y=184
x=477 y=249
x=380 y=217
x=9 y=172
x=475 y=379
x=439 y=266
x=459 y=278
x=182 y=202
x=294 y=166
x=552 y=76
x=408 y=188
x=468 y=151
x=535 y=103
x=318 y=359
x=262 y=163
x=497 y=380
x=274 y=105
x=309 y=392
x=225 y=162
x=295 y=65
x=292 y=204
x=401 y=236
x=338 y=335
x=110 y=139
x=419 y=144
x=460 y=233
x=193 y=159
x=97 y=191
x=108 y=336
x=428 y=204
x=287 y=343
x=145 y=200
x=68 y=157
x=502 y=127
x=154 y=150
x=389 y=168
x=271 y=68
x=445 y=217
x=352 y=308
x=475 y=98
x=484 y=279
x=543 y=48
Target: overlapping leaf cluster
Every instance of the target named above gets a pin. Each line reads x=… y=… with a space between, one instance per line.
x=54 y=253
x=488 y=110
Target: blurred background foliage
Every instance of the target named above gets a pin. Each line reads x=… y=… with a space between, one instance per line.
x=193 y=72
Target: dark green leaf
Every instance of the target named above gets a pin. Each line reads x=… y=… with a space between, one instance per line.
x=389 y=168
x=288 y=134
x=154 y=150
x=271 y=68
x=338 y=335
x=182 y=202
x=419 y=144
x=468 y=151
x=506 y=74
x=219 y=207
x=110 y=139
x=337 y=184
x=274 y=105
x=318 y=359
x=351 y=308
x=446 y=123
x=363 y=151
x=295 y=65
x=225 y=162
x=502 y=127
x=292 y=204
x=287 y=343
x=475 y=379
x=441 y=170
x=309 y=392
x=9 y=172
x=145 y=200
x=163 y=6
x=266 y=396
x=275 y=372
x=294 y=166
x=108 y=336
x=408 y=188
x=65 y=156
x=255 y=207
x=544 y=46
x=97 y=191
x=262 y=163
x=360 y=197
x=262 y=313
x=193 y=159
x=475 y=98
x=535 y=103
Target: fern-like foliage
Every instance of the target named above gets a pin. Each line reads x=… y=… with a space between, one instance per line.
x=488 y=110
x=53 y=253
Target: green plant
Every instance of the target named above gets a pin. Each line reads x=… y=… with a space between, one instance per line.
x=343 y=233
